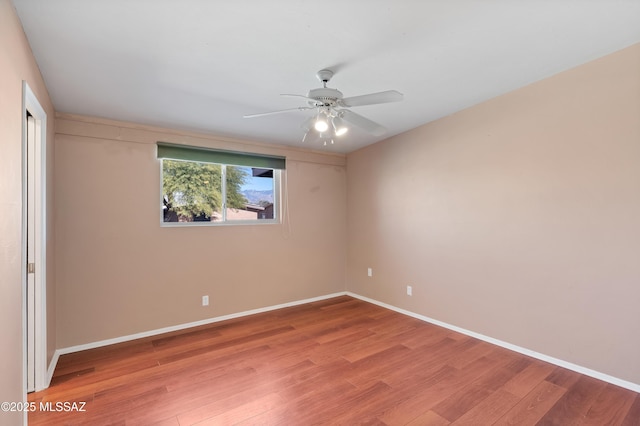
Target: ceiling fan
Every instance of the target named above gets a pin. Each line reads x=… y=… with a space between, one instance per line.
x=330 y=111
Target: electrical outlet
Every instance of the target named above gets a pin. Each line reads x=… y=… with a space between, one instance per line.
x=409 y=290
x=369 y=272
x=205 y=300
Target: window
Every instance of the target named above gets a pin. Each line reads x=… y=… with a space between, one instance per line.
x=202 y=185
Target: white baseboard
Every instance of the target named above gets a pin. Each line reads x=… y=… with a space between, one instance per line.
x=52 y=367
x=561 y=363
x=155 y=332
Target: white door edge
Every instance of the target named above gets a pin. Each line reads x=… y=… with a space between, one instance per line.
x=31 y=104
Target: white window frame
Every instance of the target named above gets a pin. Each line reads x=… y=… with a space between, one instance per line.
x=277 y=202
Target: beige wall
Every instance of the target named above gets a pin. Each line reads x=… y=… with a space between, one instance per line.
x=518 y=218
x=119 y=272
x=16 y=64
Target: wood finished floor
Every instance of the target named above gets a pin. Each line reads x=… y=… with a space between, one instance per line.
x=340 y=361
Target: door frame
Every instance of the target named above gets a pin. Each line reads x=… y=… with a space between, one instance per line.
x=32 y=105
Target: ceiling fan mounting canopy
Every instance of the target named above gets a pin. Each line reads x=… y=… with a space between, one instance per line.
x=324 y=76
x=331 y=107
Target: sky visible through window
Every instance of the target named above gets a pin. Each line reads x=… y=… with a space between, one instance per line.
x=256 y=183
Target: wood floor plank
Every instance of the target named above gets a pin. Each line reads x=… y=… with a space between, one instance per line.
x=180 y=339
x=533 y=406
x=430 y=418
x=575 y=403
x=309 y=381
x=171 y=421
x=461 y=359
x=489 y=410
x=334 y=361
x=433 y=357
x=610 y=407
x=395 y=370
x=428 y=334
x=633 y=415
x=394 y=325
x=529 y=378
x=255 y=339
x=327 y=353
x=71 y=375
x=418 y=403
x=369 y=363
x=243 y=412
x=468 y=396
x=371 y=346
x=563 y=377
x=316 y=399
x=350 y=407
x=342 y=330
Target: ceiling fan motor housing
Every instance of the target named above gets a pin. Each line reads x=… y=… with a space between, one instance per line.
x=328 y=97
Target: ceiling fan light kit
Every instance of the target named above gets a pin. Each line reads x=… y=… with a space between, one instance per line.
x=321 y=124
x=339 y=128
x=332 y=114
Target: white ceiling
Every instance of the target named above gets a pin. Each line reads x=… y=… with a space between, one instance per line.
x=201 y=65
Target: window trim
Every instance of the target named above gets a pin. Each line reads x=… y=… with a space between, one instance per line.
x=213 y=156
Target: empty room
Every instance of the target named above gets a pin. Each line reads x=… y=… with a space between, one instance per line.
x=291 y=213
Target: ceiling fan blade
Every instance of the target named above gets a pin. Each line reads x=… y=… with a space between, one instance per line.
x=373 y=98
x=288 y=95
x=262 y=114
x=362 y=122
x=291 y=95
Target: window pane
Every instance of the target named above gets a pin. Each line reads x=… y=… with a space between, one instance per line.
x=192 y=192
x=250 y=193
